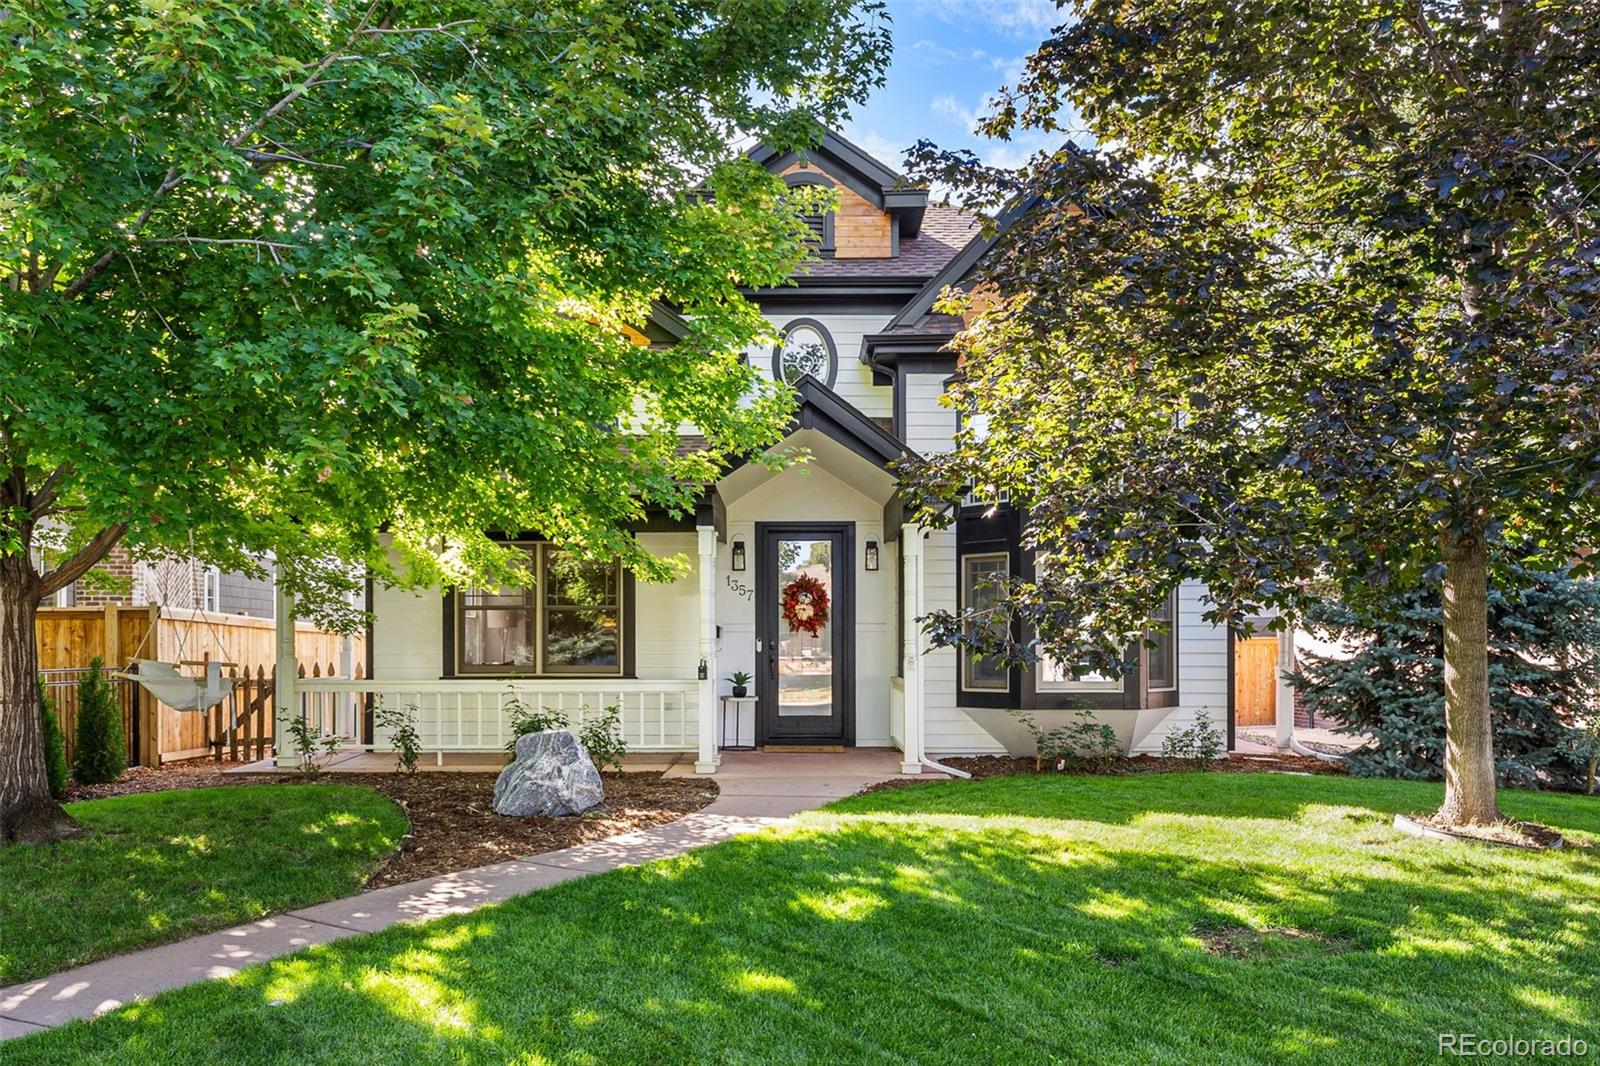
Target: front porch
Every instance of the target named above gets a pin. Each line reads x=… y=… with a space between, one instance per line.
x=671 y=647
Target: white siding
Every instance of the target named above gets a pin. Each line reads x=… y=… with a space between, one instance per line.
x=929 y=427
x=666 y=641
x=854 y=380
x=947 y=729
x=407 y=634
x=1202 y=673
x=408 y=627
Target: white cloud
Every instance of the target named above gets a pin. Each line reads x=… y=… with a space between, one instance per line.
x=1021 y=19
x=1010 y=69
x=939 y=55
x=953 y=110
x=891 y=153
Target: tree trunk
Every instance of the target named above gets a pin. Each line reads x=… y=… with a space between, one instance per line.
x=1469 y=787
x=28 y=814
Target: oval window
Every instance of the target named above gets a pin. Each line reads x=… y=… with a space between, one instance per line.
x=806 y=349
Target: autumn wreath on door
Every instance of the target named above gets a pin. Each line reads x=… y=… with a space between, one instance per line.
x=805 y=605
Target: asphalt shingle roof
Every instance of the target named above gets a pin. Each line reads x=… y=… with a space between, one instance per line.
x=945 y=231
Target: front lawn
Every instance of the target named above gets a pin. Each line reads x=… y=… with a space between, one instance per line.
x=1166 y=918
x=165 y=865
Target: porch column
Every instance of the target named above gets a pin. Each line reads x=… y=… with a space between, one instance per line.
x=1284 y=706
x=285 y=702
x=911 y=547
x=706 y=760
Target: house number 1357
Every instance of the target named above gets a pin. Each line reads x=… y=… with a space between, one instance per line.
x=739 y=587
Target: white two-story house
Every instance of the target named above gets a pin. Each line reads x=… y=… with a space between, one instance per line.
x=810 y=579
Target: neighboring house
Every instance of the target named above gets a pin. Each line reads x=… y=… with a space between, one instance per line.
x=176 y=583
x=867 y=356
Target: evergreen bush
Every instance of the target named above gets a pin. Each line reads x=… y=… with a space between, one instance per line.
x=1544 y=664
x=100 y=752
x=55 y=745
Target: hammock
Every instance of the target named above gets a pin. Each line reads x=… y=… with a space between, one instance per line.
x=181 y=693
x=162 y=679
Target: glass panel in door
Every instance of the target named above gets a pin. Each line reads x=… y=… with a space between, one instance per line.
x=805 y=629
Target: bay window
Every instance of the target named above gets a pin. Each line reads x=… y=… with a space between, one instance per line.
x=1161 y=654
x=981 y=576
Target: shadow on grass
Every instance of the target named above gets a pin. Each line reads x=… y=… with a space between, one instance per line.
x=1122 y=800
x=870 y=938
x=163 y=865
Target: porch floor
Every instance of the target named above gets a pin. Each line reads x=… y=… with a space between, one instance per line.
x=378 y=762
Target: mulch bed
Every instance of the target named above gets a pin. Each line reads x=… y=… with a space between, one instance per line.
x=1530 y=836
x=1239 y=763
x=982 y=766
x=453 y=824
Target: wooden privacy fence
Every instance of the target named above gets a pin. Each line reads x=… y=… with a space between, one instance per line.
x=61 y=689
x=1255 y=681
x=239 y=727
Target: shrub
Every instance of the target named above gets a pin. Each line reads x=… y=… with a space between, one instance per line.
x=1544 y=661
x=602 y=735
x=401 y=722
x=308 y=740
x=526 y=719
x=55 y=746
x=100 y=751
x=1085 y=738
x=1200 y=743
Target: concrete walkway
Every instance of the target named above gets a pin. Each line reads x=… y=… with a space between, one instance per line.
x=757 y=790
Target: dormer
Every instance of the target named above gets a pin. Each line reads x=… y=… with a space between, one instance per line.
x=876 y=206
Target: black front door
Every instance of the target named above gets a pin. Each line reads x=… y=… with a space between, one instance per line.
x=805 y=633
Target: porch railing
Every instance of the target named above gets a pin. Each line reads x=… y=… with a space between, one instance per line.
x=474 y=715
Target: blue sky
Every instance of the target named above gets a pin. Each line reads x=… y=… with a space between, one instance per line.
x=949 y=55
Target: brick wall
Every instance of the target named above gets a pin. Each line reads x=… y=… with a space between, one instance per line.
x=176 y=583
x=119 y=565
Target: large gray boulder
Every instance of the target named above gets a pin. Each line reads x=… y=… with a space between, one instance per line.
x=552 y=774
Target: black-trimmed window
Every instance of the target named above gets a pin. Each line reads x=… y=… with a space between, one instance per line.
x=1161 y=654
x=981 y=577
x=570 y=623
x=805 y=347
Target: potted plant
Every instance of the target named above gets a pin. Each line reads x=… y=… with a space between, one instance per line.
x=739 y=680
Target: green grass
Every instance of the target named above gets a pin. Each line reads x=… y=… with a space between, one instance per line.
x=166 y=865
x=1009 y=920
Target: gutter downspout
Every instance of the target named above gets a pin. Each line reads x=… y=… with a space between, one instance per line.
x=1300 y=749
x=943 y=769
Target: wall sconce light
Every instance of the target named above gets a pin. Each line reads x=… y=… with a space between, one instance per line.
x=872 y=555
x=738 y=555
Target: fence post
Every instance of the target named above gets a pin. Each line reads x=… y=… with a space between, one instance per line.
x=149 y=706
x=284 y=704
x=266 y=682
x=111 y=637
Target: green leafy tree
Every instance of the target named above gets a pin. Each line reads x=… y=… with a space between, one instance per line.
x=1544 y=677
x=55 y=745
x=278 y=277
x=1322 y=306
x=99 y=748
